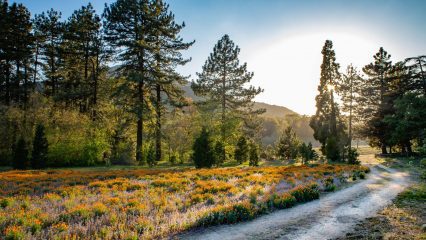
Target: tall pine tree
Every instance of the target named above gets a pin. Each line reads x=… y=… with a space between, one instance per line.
x=223 y=82
x=326 y=123
x=377 y=100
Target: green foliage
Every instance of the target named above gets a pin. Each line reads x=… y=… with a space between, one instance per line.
x=203 y=152
x=377 y=99
x=20 y=155
x=306 y=193
x=254 y=155
x=352 y=156
x=150 y=156
x=223 y=85
x=219 y=149
x=332 y=150
x=288 y=145
x=307 y=153
x=40 y=148
x=329 y=184
x=242 y=150
x=282 y=201
x=327 y=122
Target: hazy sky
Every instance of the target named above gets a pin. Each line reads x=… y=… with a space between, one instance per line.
x=281 y=40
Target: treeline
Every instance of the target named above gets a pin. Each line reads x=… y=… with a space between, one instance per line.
x=62 y=104
x=385 y=104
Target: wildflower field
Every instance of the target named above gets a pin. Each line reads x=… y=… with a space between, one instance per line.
x=145 y=204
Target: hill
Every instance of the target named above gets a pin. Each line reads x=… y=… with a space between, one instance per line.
x=276 y=119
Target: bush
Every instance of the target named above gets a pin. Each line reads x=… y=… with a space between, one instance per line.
x=20 y=156
x=242 y=150
x=203 y=155
x=254 y=155
x=284 y=201
x=353 y=156
x=306 y=193
x=40 y=148
x=329 y=185
x=229 y=215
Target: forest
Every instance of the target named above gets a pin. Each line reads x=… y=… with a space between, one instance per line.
x=103 y=137
x=103 y=89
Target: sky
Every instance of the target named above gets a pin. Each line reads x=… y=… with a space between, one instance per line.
x=281 y=40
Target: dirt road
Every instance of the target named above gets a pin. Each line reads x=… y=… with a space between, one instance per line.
x=329 y=217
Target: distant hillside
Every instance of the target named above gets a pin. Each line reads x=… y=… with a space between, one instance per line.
x=274 y=111
x=276 y=119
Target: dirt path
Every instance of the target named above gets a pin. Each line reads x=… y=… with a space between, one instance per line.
x=329 y=217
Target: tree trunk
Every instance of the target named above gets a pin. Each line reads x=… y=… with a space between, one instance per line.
x=35 y=65
x=7 y=97
x=139 y=124
x=384 y=150
x=158 y=124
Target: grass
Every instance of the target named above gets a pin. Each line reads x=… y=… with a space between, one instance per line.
x=137 y=203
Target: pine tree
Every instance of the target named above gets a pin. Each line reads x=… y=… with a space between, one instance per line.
x=82 y=59
x=219 y=148
x=254 y=155
x=167 y=83
x=51 y=31
x=417 y=71
x=376 y=99
x=223 y=82
x=150 y=156
x=288 y=144
x=203 y=152
x=349 y=90
x=326 y=122
x=242 y=150
x=307 y=153
x=15 y=53
x=40 y=148
x=126 y=29
x=20 y=155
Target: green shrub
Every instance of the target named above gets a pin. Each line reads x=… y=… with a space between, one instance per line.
x=329 y=184
x=305 y=193
x=229 y=215
x=362 y=175
x=284 y=201
x=4 y=203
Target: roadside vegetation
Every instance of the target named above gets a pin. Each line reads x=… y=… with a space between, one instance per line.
x=133 y=204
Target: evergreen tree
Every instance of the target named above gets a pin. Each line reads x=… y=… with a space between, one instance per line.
x=288 y=144
x=40 y=148
x=167 y=83
x=15 y=53
x=376 y=99
x=307 y=153
x=242 y=150
x=417 y=71
x=203 y=152
x=83 y=53
x=254 y=155
x=349 y=90
x=219 y=148
x=50 y=29
x=126 y=29
x=223 y=82
x=326 y=122
x=20 y=155
x=150 y=156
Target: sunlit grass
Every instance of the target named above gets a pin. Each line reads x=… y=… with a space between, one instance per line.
x=142 y=203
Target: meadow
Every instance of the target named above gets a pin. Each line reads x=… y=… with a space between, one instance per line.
x=146 y=204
